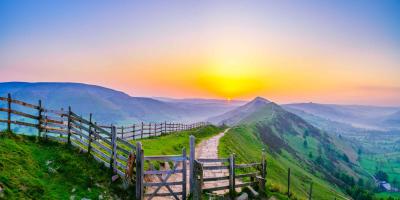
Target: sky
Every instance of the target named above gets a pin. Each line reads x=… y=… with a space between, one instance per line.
x=345 y=52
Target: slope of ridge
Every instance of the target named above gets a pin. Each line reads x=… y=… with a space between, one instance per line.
x=236 y=115
x=313 y=155
x=31 y=169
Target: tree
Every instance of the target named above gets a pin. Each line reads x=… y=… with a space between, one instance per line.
x=382 y=176
x=345 y=158
x=305 y=144
x=310 y=155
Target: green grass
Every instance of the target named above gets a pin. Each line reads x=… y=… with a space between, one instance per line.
x=246 y=144
x=389 y=163
x=31 y=169
x=173 y=143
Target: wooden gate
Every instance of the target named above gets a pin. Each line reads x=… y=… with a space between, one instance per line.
x=165 y=181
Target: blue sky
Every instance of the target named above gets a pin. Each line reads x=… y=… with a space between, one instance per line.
x=357 y=42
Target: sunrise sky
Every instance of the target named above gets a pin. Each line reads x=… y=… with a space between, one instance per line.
x=344 y=52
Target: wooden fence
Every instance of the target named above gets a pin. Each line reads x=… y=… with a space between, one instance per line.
x=146 y=130
x=109 y=146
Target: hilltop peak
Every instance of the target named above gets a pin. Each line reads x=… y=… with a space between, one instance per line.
x=259 y=101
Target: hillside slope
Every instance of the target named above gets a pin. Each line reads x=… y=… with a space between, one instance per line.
x=311 y=154
x=49 y=170
x=107 y=105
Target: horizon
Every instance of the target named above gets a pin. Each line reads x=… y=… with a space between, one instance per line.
x=217 y=99
x=342 y=52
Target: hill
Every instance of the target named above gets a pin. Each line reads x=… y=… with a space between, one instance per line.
x=107 y=105
x=31 y=169
x=238 y=114
x=313 y=155
x=364 y=117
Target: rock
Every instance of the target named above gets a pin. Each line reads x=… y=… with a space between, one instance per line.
x=101 y=197
x=73 y=190
x=243 y=196
x=72 y=197
x=85 y=199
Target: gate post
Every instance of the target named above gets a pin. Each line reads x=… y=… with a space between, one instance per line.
x=191 y=163
x=184 y=171
x=232 y=175
x=139 y=171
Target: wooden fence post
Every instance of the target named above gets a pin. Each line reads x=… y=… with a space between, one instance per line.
x=192 y=156
x=232 y=175
x=310 y=193
x=40 y=118
x=9 y=112
x=184 y=181
x=134 y=132
x=288 y=184
x=139 y=171
x=69 y=125
x=263 y=170
x=113 y=147
x=90 y=133
x=141 y=132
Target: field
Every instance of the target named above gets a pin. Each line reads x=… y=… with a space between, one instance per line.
x=31 y=169
x=173 y=143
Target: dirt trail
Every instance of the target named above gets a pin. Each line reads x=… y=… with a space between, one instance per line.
x=206 y=149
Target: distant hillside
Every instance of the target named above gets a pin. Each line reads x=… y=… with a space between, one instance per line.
x=393 y=120
x=238 y=114
x=365 y=117
x=293 y=142
x=107 y=105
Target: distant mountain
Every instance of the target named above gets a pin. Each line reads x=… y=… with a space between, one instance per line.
x=107 y=105
x=364 y=117
x=238 y=114
x=393 y=120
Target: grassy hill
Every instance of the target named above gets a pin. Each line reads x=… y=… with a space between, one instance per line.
x=312 y=155
x=31 y=169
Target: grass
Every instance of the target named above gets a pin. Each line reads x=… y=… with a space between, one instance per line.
x=173 y=143
x=247 y=146
x=31 y=169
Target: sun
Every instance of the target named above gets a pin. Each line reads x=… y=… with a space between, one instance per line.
x=231 y=80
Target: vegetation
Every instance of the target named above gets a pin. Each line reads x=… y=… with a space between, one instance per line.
x=246 y=144
x=36 y=169
x=173 y=143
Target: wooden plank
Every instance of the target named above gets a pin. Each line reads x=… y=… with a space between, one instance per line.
x=24 y=104
x=19 y=113
x=103 y=147
x=51 y=129
x=126 y=143
x=122 y=150
x=215 y=167
x=119 y=164
x=152 y=184
x=57 y=112
x=161 y=172
x=104 y=155
x=245 y=184
x=121 y=157
x=247 y=165
x=163 y=194
x=254 y=174
x=205 y=160
x=18 y=123
x=216 y=188
x=216 y=178
x=165 y=158
x=101 y=160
